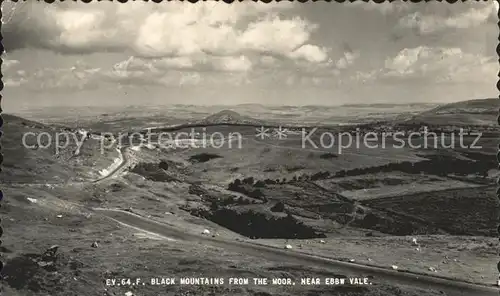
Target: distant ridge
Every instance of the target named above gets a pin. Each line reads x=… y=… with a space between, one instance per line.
x=388 y=105
x=229 y=117
x=472 y=112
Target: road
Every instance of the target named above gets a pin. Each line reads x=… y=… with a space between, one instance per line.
x=118 y=169
x=379 y=275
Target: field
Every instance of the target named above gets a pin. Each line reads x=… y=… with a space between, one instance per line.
x=359 y=204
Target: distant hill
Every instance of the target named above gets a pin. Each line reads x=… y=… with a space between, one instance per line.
x=229 y=117
x=28 y=163
x=474 y=112
x=389 y=105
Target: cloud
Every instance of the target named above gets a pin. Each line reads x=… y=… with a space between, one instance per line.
x=8 y=64
x=159 y=31
x=385 y=8
x=12 y=75
x=431 y=22
x=347 y=59
x=440 y=64
x=177 y=44
x=310 y=53
x=77 y=77
x=259 y=70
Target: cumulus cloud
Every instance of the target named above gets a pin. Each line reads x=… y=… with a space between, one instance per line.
x=158 y=31
x=174 y=44
x=310 y=53
x=441 y=64
x=430 y=22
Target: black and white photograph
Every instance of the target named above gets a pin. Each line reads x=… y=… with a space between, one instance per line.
x=249 y=148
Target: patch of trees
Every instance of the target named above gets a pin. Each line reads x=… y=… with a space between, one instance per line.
x=258 y=225
x=249 y=187
x=295 y=168
x=278 y=207
x=203 y=157
x=328 y=156
x=395 y=225
x=437 y=165
x=163 y=165
x=320 y=176
x=152 y=171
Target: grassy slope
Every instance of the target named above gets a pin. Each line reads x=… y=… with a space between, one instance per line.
x=23 y=164
x=473 y=112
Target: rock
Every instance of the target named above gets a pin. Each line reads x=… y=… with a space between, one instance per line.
x=395 y=267
x=206 y=231
x=51 y=252
x=351 y=260
x=45 y=263
x=432 y=269
x=95 y=245
x=129 y=293
x=322 y=241
x=59 y=216
x=32 y=200
x=414 y=241
x=288 y=246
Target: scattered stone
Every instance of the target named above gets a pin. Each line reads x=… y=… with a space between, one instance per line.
x=288 y=246
x=395 y=267
x=370 y=259
x=45 y=263
x=417 y=249
x=51 y=252
x=95 y=245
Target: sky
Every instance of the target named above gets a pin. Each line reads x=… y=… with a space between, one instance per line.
x=114 y=54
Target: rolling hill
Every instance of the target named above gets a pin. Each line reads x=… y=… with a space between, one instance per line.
x=30 y=162
x=482 y=112
x=229 y=117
